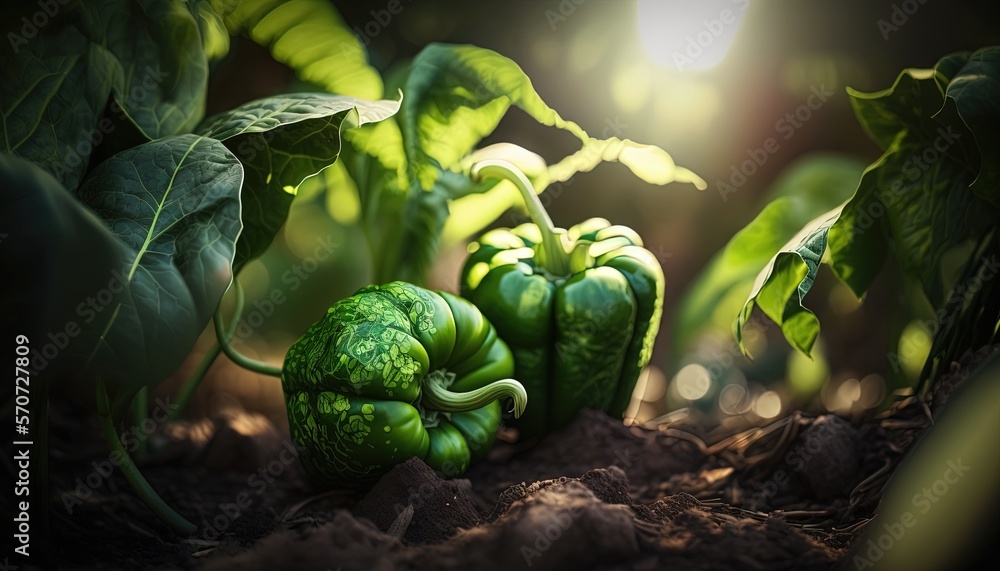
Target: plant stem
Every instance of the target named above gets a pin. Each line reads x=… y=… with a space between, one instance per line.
x=192 y=383
x=146 y=493
x=242 y=360
x=555 y=256
x=140 y=410
x=436 y=397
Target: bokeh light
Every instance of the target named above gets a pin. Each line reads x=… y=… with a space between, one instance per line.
x=767 y=405
x=693 y=382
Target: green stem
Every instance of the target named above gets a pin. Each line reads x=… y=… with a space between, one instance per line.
x=242 y=360
x=140 y=410
x=436 y=397
x=192 y=383
x=152 y=500
x=555 y=256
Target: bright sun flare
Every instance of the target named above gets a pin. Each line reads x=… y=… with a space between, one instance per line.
x=689 y=35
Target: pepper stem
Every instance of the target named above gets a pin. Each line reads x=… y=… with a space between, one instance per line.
x=554 y=253
x=437 y=397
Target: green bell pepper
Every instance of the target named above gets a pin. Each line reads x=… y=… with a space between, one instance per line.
x=392 y=372
x=579 y=308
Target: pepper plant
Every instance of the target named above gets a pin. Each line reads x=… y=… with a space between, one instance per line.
x=128 y=213
x=930 y=202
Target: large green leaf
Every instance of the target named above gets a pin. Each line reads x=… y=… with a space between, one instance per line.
x=806 y=189
x=308 y=36
x=174 y=206
x=281 y=141
x=163 y=72
x=53 y=93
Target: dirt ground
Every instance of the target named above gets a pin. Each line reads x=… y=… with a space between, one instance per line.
x=596 y=494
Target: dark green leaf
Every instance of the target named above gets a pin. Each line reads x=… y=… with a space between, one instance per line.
x=281 y=141
x=54 y=90
x=976 y=93
x=163 y=71
x=174 y=206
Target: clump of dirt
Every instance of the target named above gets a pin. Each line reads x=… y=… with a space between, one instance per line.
x=414 y=503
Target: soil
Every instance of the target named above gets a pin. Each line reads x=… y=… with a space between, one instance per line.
x=596 y=494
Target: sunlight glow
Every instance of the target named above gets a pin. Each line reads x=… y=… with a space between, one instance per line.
x=689 y=35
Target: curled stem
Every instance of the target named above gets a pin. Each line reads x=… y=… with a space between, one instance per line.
x=192 y=383
x=224 y=337
x=437 y=397
x=555 y=256
x=146 y=493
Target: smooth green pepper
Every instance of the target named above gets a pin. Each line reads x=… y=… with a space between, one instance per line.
x=579 y=308
x=392 y=372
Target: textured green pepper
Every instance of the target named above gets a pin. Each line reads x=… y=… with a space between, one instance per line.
x=579 y=308
x=392 y=372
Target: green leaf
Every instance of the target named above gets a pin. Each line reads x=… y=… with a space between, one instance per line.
x=281 y=141
x=174 y=207
x=457 y=94
x=214 y=35
x=857 y=241
x=54 y=91
x=905 y=108
x=649 y=163
x=782 y=285
x=805 y=190
x=163 y=72
x=917 y=194
x=308 y=36
x=975 y=91
x=426 y=212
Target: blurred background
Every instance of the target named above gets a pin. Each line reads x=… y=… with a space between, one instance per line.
x=715 y=83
